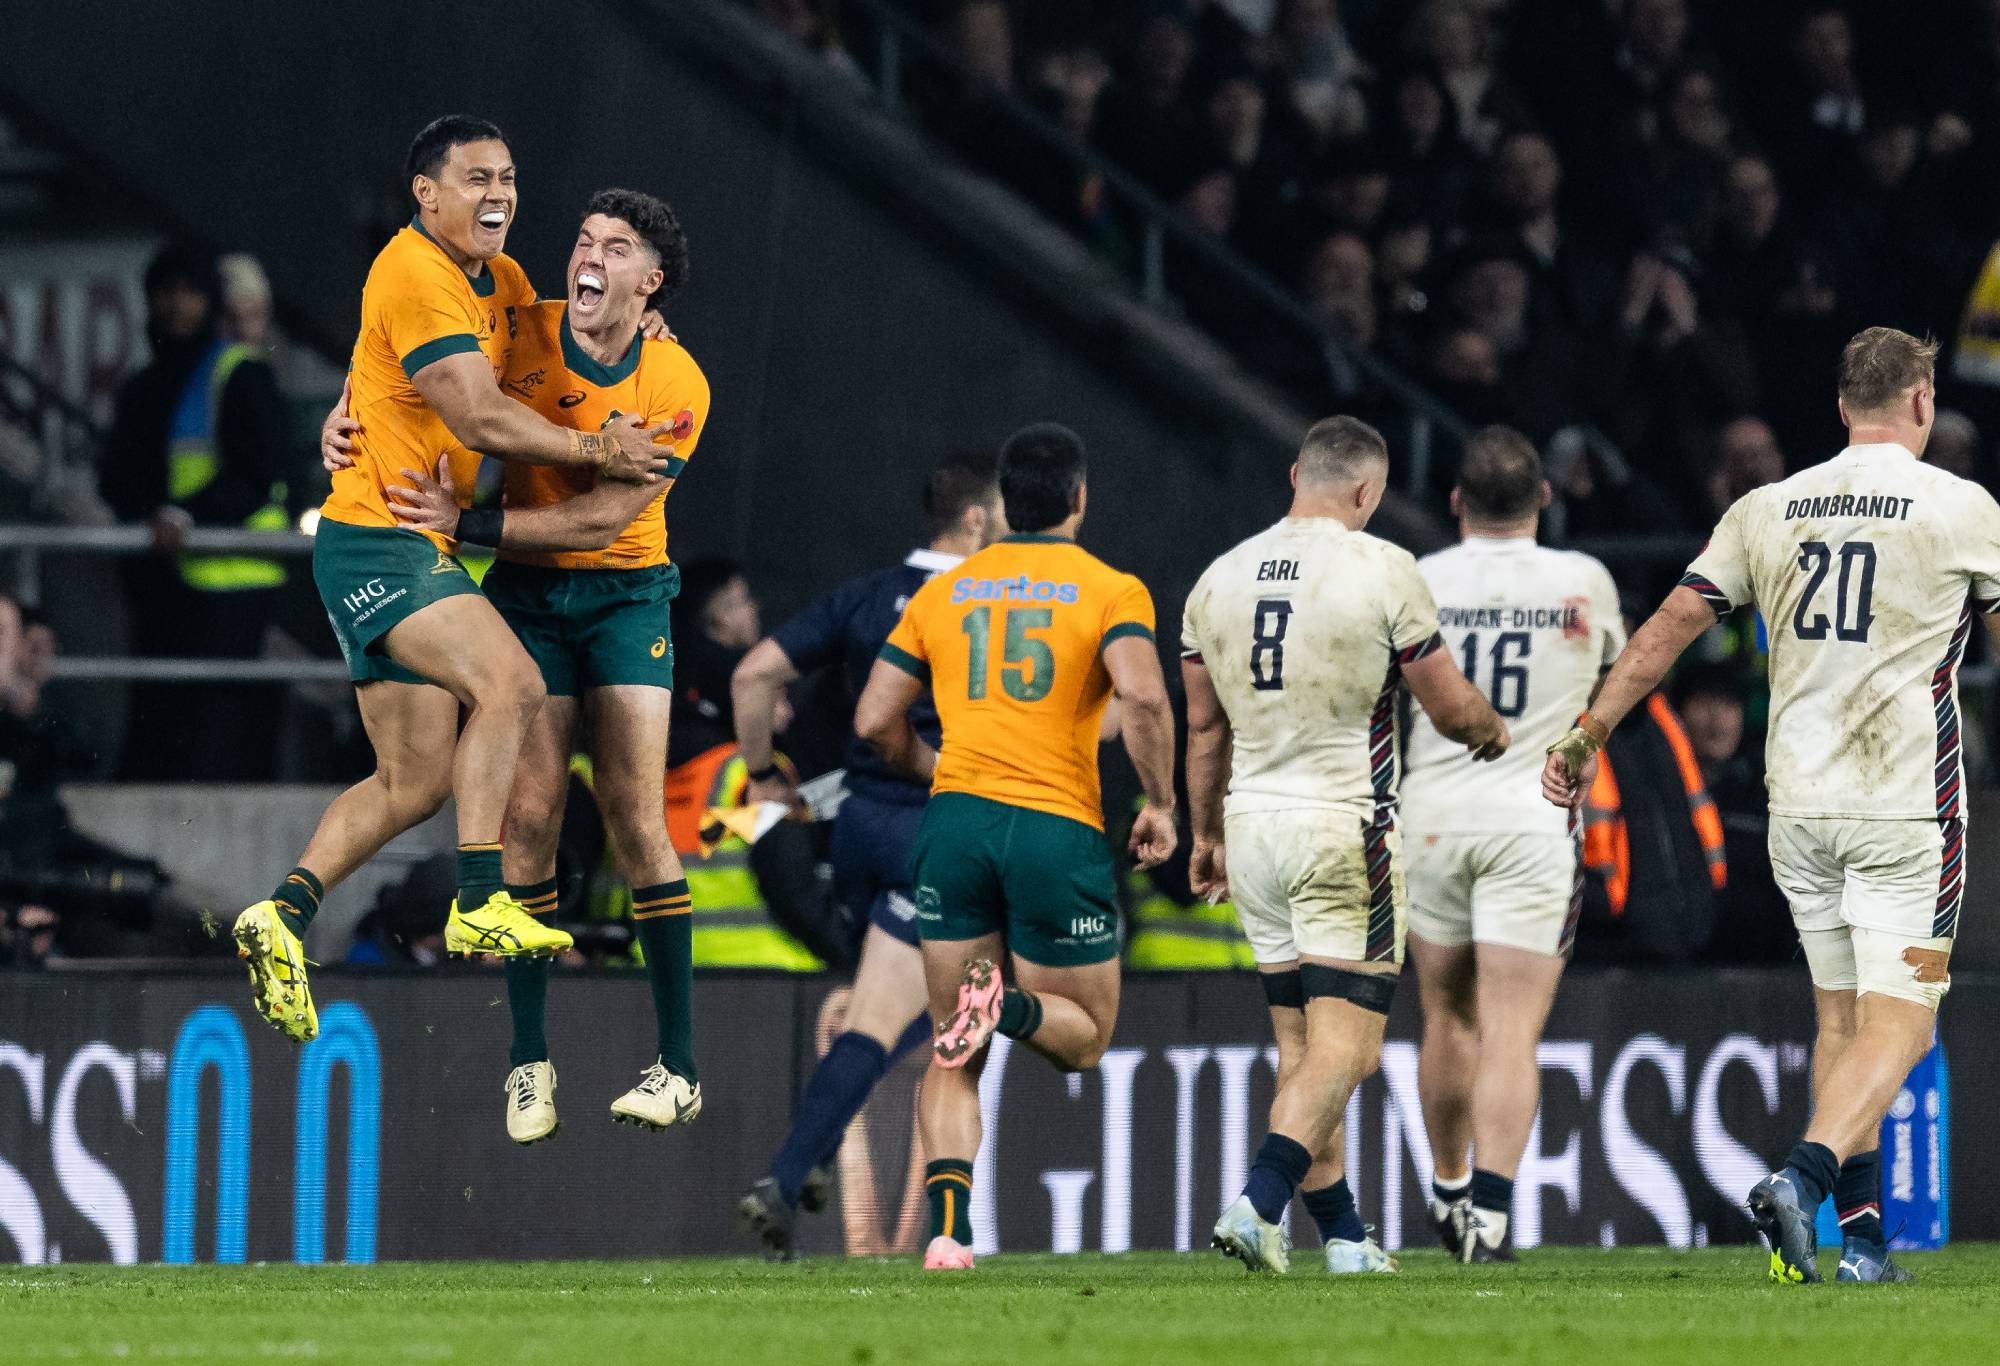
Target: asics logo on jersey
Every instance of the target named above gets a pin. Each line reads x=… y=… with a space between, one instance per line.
x=1022 y=589
x=570 y=399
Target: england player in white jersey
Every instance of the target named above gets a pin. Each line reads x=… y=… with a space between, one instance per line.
x=1295 y=648
x=1869 y=570
x=1495 y=882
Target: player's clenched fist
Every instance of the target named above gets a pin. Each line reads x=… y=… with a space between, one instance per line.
x=1154 y=836
x=1490 y=746
x=1208 y=871
x=1566 y=776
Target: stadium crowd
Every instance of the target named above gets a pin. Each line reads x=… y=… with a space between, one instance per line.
x=1613 y=224
x=1626 y=217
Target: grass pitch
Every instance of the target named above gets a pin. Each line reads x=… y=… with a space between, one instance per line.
x=1617 y=1308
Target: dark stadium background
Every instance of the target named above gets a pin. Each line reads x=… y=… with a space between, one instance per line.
x=866 y=295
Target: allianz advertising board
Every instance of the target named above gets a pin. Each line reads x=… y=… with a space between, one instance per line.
x=154 y=1117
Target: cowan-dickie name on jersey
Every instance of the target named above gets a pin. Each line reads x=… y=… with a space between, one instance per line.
x=1304 y=629
x=1868 y=570
x=1533 y=628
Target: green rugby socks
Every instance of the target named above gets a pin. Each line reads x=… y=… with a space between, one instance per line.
x=298 y=898
x=479 y=876
x=948 y=1184
x=528 y=982
x=663 y=916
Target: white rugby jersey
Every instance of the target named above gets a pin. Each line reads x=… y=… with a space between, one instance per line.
x=1532 y=628
x=1304 y=629
x=1867 y=569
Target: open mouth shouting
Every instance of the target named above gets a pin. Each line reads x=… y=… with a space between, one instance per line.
x=492 y=222
x=588 y=290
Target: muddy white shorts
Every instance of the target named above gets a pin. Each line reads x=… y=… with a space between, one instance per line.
x=1876 y=903
x=1518 y=890
x=1317 y=883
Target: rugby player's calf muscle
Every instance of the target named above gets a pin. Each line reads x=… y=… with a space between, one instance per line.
x=412 y=728
x=1079 y=1011
x=629 y=746
x=541 y=785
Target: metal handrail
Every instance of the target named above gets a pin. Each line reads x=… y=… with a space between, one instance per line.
x=138 y=540
x=899 y=29
x=29 y=543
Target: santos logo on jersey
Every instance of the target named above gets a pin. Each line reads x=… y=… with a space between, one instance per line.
x=1022 y=589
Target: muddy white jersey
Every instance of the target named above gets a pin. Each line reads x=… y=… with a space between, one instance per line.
x=1868 y=570
x=1304 y=630
x=1532 y=628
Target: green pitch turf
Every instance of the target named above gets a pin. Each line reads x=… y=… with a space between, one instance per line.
x=1617 y=1308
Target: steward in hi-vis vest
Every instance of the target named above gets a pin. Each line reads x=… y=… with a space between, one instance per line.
x=200 y=440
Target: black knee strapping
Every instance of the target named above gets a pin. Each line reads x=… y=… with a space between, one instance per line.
x=1369 y=990
x=1284 y=988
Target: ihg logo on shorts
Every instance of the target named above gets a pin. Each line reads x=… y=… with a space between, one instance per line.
x=1088 y=926
x=371 y=591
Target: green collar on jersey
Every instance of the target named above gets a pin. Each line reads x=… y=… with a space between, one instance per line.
x=482 y=283
x=1036 y=538
x=592 y=371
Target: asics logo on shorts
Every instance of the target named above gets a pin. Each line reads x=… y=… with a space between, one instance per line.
x=659 y=649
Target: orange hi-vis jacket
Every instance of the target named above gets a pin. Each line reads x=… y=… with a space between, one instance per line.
x=1607 y=847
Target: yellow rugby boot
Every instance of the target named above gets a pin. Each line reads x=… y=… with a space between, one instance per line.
x=277 y=963
x=501 y=927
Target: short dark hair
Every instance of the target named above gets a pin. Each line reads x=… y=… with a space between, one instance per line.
x=1338 y=450
x=433 y=144
x=185 y=263
x=1709 y=680
x=1879 y=365
x=1041 y=468
x=1500 y=478
x=965 y=480
x=658 y=227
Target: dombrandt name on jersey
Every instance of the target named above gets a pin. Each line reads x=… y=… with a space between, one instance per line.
x=1568 y=618
x=1020 y=589
x=1850 y=505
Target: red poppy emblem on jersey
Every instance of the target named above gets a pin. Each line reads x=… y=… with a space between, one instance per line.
x=1576 y=619
x=683 y=425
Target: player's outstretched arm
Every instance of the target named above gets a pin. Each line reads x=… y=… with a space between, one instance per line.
x=1148 y=728
x=754 y=689
x=882 y=718
x=1634 y=675
x=1207 y=778
x=460 y=389
x=589 y=521
x=1458 y=710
